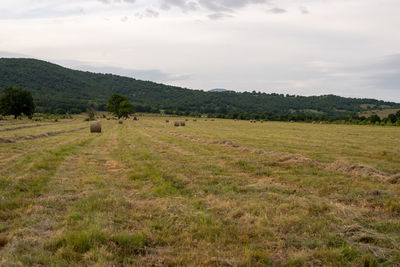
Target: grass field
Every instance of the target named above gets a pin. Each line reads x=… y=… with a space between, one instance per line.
x=212 y=193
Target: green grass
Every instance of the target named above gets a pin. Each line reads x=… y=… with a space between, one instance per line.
x=148 y=193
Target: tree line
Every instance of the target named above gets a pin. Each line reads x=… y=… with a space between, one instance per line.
x=17 y=101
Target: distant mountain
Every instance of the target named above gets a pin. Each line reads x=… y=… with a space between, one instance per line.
x=218 y=90
x=58 y=89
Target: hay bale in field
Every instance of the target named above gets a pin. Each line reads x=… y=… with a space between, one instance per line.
x=120 y=121
x=212 y=119
x=167 y=121
x=183 y=123
x=108 y=119
x=314 y=122
x=177 y=124
x=261 y=121
x=186 y=119
x=194 y=120
x=95 y=127
x=321 y=122
x=135 y=118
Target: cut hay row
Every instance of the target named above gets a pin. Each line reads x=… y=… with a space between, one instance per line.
x=14 y=122
x=284 y=158
x=30 y=137
x=22 y=127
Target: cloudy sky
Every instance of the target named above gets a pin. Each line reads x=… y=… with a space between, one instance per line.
x=303 y=47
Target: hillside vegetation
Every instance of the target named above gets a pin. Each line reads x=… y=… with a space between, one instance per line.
x=58 y=90
x=212 y=193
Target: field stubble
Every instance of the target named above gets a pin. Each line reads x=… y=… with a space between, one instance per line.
x=217 y=193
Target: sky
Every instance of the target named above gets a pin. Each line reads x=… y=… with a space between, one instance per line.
x=299 y=47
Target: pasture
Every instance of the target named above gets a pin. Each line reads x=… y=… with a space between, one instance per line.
x=211 y=193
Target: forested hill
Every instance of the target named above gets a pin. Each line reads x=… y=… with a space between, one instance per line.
x=58 y=89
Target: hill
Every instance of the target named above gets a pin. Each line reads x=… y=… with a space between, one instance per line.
x=58 y=89
x=218 y=90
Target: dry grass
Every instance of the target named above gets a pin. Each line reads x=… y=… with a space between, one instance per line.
x=381 y=113
x=280 y=194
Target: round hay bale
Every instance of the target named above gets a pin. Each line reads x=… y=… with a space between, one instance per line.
x=167 y=121
x=95 y=127
x=186 y=119
x=120 y=121
x=321 y=122
x=177 y=124
x=194 y=120
x=135 y=118
x=183 y=123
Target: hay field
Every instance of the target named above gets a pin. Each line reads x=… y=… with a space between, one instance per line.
x=212 y=193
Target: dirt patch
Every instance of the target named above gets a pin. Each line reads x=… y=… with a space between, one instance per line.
x=30 y=137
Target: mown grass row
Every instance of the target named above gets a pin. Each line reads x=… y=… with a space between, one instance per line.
x=307 y=182
x=374 y=146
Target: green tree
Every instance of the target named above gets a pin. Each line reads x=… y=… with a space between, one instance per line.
x=392 y=118
x=125 y=109
x=119 y=106
x=114 y=103
x=16 y=101
x=374 y=118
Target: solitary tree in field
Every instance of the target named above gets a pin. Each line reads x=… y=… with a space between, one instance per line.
x=119 y=106
x=16 y=101
x=125 y=109
x=91 y=113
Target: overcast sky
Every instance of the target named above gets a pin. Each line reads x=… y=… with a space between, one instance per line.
x=303 y=47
